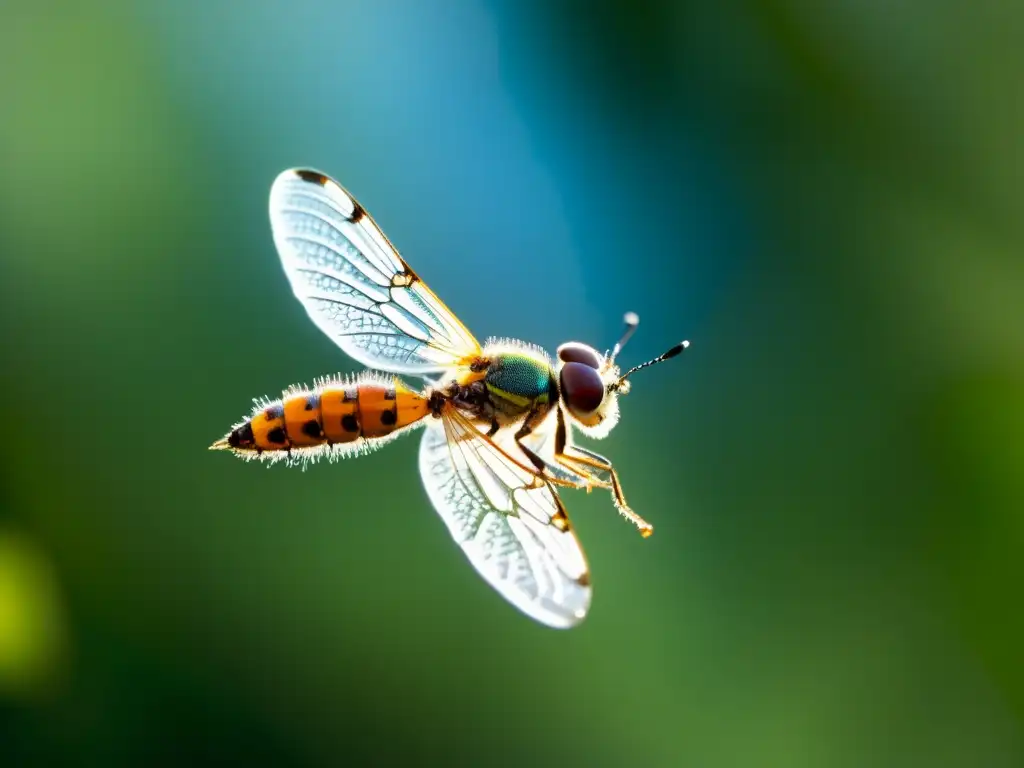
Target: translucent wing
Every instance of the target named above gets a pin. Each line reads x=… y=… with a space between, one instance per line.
x=355 y=286
x=514 y=531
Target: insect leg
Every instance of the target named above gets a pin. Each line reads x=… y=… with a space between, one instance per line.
x=559 y=473
x=534 y=417
x=579 y=459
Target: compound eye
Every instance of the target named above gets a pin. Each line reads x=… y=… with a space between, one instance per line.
x=582 y=387
x=574 y=352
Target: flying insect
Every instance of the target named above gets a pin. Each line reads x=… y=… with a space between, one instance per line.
x=499 y=418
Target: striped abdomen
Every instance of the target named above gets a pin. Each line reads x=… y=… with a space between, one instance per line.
x=346 y=414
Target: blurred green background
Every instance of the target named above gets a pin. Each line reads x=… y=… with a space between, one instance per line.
x=825 y=198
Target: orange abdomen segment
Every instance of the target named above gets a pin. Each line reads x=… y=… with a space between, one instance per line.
x=302 y=419
x=339 y=412
x=412 y=405
x=268 y=432
x=383 y=408
x=378 y=409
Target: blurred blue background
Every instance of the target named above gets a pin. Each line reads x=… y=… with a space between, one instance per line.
x=825 y=198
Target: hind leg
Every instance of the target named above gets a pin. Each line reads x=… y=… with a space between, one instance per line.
x=579 y=468
x=580 y=461
x=590 y=466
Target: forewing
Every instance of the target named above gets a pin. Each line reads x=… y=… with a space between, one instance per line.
x=355 y=286
x=515 y=533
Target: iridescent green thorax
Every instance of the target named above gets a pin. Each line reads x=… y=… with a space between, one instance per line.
x=520 y=379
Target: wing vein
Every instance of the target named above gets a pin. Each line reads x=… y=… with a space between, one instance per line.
x=355 y=286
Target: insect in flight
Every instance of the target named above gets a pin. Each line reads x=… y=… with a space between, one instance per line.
x=499 y=418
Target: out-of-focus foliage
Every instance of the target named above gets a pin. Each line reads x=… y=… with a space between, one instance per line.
x=31 y=631
x=825 y=198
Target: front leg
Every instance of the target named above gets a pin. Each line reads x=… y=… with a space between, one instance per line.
x=531 y=422
x=556 y=471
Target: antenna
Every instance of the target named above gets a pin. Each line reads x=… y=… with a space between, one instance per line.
x=632 y=320
x=659 y=359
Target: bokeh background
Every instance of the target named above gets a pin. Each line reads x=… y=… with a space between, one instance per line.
x=825 y=198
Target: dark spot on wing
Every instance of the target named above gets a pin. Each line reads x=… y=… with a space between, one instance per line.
x=313 y=177
x=349 y=423
x=560 y=521
x=388 y=418
x=413 y=277
x=312 y=429
x=277 y=435
x=402 y=279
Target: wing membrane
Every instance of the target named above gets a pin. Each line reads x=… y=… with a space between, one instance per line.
x=514 y=532
x=355 y=286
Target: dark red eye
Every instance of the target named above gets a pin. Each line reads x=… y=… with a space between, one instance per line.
x=574 y=352
x=582 y=387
